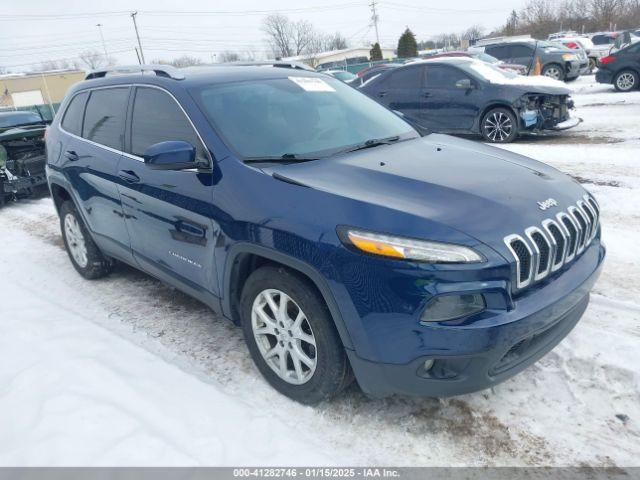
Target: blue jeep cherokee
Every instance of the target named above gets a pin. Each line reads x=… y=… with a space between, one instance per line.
x=344 y=243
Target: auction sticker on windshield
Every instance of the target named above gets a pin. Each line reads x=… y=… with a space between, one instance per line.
x=311 y=84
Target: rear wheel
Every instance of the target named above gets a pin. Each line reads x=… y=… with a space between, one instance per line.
x=291 y=336
x=626 y=81
x=554 y=71
x=85 y=256
x=499 y=125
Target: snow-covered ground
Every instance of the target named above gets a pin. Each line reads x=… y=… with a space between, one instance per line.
x=128 y=371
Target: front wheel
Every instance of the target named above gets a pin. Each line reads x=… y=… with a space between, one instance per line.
x=626 y=81
x=553 y=71
x=499 y=125
x=291 y=336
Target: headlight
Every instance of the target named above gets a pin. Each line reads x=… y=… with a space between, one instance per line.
x=407 y=248
x=568 y=57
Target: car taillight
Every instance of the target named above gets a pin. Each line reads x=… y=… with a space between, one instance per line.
x=572 y=45
x=607 y=59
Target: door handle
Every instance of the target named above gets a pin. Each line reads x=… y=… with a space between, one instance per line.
x=71 y=155
x=426 y=94
x=128 y=176
x=382 y=94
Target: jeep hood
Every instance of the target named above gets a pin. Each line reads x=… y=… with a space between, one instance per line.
x=482 y=191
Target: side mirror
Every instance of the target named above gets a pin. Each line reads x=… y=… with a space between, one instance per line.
x=171 y=155
x=464 y=84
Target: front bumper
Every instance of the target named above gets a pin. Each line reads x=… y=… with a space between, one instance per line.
x=480 y=356
x=21 y=184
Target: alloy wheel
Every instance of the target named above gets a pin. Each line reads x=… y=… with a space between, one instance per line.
x=284 y=336
x=75 y=240
x=625 y=81
x=553 y=72
x=498 y=126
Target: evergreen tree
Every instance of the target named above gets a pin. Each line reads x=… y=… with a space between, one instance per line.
x=375 y=53
x=407 y=45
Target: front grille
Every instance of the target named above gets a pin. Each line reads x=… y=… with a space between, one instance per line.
x=544 y=250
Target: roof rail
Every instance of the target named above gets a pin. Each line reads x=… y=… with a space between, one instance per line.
x=166 y=71
x=268 y=63
x=489 y=41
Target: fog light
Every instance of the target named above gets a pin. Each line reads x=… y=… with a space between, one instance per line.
x=450 y=307
x=428 y=364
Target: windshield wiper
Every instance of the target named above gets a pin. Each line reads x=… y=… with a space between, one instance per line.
x=286 y=158
x=373 y=142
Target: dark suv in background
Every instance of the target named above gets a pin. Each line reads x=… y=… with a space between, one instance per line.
x=343 y=242
x=556 y=61
x=622 y=69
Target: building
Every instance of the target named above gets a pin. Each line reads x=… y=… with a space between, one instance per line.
x=29 y=89
x=340 y=58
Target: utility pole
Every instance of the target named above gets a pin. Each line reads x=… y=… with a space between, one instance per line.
x=135 y=25
x=104 y=45
x=374 y=19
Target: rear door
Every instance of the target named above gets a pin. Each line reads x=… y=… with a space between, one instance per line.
x=403 y=90
x=448 y=107
x=94 y=125
x=522 y=55
x=168 y=212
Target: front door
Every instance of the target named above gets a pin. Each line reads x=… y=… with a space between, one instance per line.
x=402 y=91
x=168 y=213
x=451 y=107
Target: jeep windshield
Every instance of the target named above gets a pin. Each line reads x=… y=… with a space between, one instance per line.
x=298 y=118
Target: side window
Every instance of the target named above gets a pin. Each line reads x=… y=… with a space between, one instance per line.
x=499 y=51
x=521 y=51
x=158 y=118
x=408 y=78
x=72 y=120
x=439 y=76
x=105 y=115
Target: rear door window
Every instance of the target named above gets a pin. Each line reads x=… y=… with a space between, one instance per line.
x=406 y=78
x=498 y=51
x=72 y=120
x=158 y=118
x=521 y=51
x=105 y=116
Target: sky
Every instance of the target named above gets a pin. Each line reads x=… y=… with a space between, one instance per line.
x=33 y=31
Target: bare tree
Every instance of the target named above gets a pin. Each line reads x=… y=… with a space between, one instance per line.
x=185 y=61
x=94 y=59
x=278 y=30
x=228 y=56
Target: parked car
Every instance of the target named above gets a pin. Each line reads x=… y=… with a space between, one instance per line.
x=343 y=75
x=587 y=62
x=577 y=41
x=602 y=42
x=555 y=61
x=621 y=69
x=514 y=67
x=337 y=237
x=467 y=96
x=22 y=155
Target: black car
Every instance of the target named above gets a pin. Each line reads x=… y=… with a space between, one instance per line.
x=622 y=69
x=463 y=95
x=22 y=155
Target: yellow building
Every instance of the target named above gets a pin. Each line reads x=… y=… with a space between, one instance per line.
x=46 y=88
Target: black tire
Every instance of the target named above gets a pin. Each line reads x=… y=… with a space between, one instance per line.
x=553 y=70
x=492 y=118
x=97 y=264
x=626 y=81
x=332 y=371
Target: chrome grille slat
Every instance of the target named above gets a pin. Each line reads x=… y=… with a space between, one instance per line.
x=561 y=239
